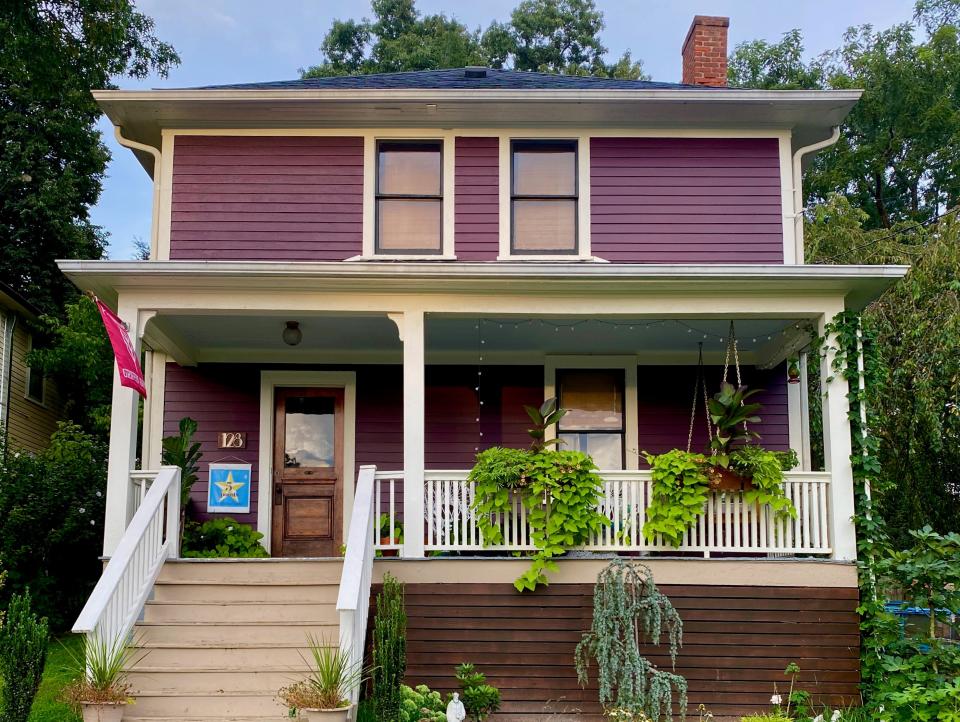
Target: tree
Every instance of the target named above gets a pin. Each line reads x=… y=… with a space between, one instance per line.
x=897 y=158
x=52 y=159
x=545 y=35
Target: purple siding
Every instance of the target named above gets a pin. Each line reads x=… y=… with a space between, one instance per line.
x=477 y=205
x=665 y=396
x=686 y=200
x=267 y=198
x=226 y=397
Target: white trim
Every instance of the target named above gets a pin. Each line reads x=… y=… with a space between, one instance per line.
x=794 y=414
x=165 y=210
x=269 y=382
x=414 y=428
x=155 y=367
x=631 y=406
x=491 y=132
x=787 y=196
x=8 y=320
x=448 y=175
x=806 y=462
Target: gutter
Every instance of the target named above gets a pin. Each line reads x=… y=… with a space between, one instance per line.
x=798 y=188
x=157 y=166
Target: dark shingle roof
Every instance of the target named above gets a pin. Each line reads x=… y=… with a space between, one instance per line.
x=456 y=79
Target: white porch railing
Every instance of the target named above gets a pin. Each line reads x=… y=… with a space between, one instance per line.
x=728 y=524
x=152 y=537
x=353 y=599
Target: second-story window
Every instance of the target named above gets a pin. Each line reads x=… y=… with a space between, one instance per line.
x=409 y=197
x=543 y=197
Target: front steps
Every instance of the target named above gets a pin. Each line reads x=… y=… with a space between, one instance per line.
x=220 y=637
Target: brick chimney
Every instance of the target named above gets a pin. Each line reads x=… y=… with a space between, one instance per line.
x=705 y=51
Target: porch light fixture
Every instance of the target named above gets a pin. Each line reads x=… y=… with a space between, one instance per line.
x=292 y=335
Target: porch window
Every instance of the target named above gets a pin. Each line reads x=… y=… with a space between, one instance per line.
x=594 y=422
x=409 y=197
x=543 y=197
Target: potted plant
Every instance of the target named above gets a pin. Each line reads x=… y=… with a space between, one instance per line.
x=101 y=691
x=730 y=413
x=325 y=695
x=386 y=537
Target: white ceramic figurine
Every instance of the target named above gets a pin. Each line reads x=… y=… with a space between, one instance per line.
x=455 y=710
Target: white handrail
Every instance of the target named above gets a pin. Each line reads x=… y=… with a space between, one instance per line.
x=353 y=599
x=152 y=537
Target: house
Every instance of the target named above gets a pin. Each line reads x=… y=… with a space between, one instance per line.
x=30 y=404
x=355 y=285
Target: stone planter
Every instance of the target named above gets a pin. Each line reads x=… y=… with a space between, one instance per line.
x=327 y=715
x=110 y=712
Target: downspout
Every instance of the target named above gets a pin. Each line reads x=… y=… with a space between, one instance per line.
x=157 y=167
x=798 y=208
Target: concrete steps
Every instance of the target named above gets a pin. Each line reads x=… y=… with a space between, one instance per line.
x=220 y=637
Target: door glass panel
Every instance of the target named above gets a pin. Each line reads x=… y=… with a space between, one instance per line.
x=309 y=432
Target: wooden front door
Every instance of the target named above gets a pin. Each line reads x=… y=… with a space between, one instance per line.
x=308 y=473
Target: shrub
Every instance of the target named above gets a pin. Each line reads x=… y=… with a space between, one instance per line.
x=100 y=670
x=419 y=705
x=480 y=699
x=52 y=507
x=222 y=538
x=389 y=649
x=23 y=652
x=181 y=450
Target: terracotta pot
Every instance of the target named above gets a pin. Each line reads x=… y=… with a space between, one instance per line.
x=328 y=715
x=389 y=552
x=111 y=712
x=727 y=480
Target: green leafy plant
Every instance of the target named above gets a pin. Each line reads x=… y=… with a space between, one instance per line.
x=730 y=413
x=419 y=704
x=100 y=669
x=765 y=470
x=52 y=507
x=389 y=649
x=678 y=494
x=181 y=450
x=23 y=652
x=383 y=527
x=480 y=699
x=560 y=491
x=628 y=610
x=333 y=677
x=222 y=538
x=543 y=418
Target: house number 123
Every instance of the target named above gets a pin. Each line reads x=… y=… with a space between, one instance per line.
x=232 y=440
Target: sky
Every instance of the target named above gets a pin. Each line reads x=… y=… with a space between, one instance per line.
x=236 y=41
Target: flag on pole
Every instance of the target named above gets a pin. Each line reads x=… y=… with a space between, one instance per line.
x=128 y=364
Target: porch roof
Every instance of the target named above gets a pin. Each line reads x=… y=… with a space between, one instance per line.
x=857 y=284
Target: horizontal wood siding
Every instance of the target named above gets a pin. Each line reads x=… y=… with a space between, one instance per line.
x=737 y=641
x=477 y=199
x=296 y=198
x=665 y=395
x=29 y=424
x=686 y=200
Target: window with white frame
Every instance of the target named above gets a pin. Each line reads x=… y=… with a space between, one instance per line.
x=594 y=422
x=543 y=197
x=35 y=379
x=409 y=197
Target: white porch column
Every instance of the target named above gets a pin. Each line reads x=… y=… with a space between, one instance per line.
x=414 y=389
x=123 y=442
x=837 y=448
x=155 y=372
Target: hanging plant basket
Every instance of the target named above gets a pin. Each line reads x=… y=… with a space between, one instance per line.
x=721 y=479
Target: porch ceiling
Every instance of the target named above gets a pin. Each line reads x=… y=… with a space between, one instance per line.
x=338 y=339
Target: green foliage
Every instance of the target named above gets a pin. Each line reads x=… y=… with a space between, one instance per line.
x=23 y=652
x=765 y=471
x=221 y=538
x=566 y=479
x=678 y=494
x=52 y=159
x=181 y=450
x=100 y=672
x=52 y=506
x=628 y=610
x=389 y=649
x=730 y=414
x=419 y=705
x=333 y=677
x=480 y=699
x=559 y=36
x=58 y=673
x=76 y=353
x=543 y=418
x=895 y=159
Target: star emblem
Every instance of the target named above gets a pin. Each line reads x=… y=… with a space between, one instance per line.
x=229 y=488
